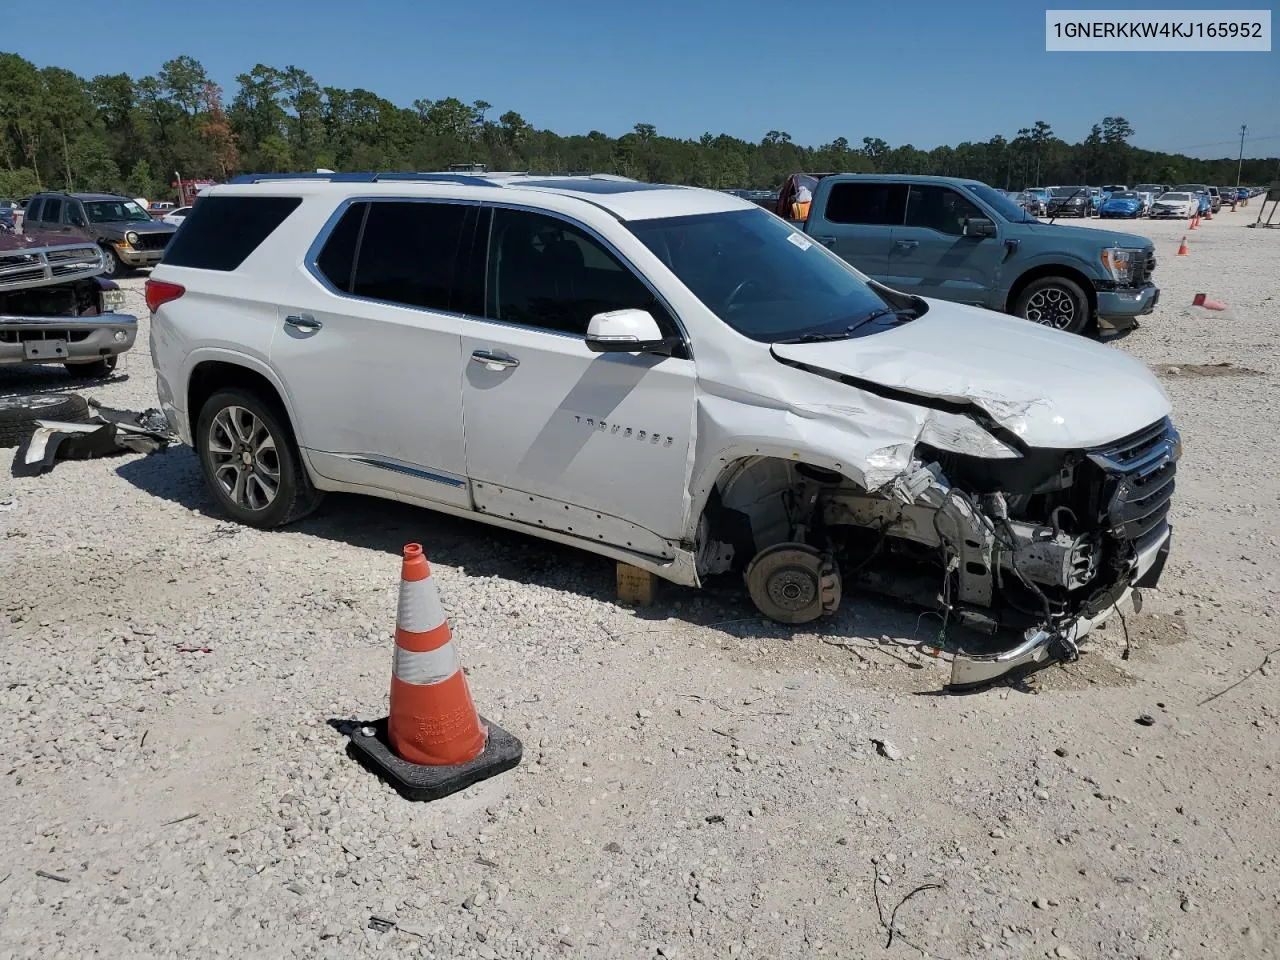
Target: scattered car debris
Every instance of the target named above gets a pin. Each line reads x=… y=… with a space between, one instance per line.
x=106 y=432
x=52 y=876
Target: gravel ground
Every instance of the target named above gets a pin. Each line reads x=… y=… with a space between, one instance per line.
x=695 y=783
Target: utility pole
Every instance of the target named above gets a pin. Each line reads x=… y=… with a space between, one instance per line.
x=1240 y=162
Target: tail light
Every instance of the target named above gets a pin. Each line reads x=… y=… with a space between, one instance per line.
x=160 y=292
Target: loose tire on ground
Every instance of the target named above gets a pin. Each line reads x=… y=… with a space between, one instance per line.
x=241 y=435
x=18 y=414
x=1055 y=302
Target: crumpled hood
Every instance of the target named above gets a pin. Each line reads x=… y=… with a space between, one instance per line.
x=1051 y=389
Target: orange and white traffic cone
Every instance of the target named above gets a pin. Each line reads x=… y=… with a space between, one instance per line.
x=433 y=720
x=1208 y=214
x=1195 y=222
x=1200 y=300
x=1184 y=249
x=434 y=743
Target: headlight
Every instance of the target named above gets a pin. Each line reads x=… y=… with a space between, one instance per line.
x=112 y=300
x=131 y=238
x=958 y=434
x=1119 y=263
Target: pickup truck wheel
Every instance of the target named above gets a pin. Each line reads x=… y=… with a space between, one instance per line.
x=94 y=369
x=18 y=414
x=793 y=583
x=1055 y=302
x=250 y=460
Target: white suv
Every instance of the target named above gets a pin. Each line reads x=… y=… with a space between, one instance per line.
x=669 y=377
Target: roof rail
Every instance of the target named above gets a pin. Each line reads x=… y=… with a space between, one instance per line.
x=366 y=178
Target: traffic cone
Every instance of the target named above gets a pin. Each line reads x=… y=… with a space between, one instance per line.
x=1208 y=303
x=434 y=743
x=1208 y=214
x=1183 y=250
x=1195 y=222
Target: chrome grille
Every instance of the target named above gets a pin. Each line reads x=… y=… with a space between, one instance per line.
x=1140 y=471
x=38 y=266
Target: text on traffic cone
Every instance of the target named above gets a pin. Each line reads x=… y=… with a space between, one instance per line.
x=433 y=720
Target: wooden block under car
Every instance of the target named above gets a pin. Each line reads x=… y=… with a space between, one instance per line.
x=636 y=586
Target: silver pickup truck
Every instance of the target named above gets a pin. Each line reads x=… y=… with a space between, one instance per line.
x=56 y=307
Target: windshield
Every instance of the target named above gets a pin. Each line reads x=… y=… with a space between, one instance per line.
x=1125 y=195
x=1176 y=196
x=115 y=211
x=764 y=279
x=1066 y=191
x=1148 y=188
x=1002 y=203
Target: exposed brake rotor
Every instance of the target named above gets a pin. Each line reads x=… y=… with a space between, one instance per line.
x=793 y=583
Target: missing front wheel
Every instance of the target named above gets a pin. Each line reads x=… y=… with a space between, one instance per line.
x=793 y=583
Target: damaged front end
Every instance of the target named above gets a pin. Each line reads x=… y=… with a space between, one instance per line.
x=1041 y=544
x=1047 y=544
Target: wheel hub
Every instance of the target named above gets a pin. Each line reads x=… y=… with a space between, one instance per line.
x=793 y=583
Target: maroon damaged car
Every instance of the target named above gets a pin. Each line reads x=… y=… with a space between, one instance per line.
x=55 y=305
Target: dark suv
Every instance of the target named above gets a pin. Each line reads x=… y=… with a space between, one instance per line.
x=118 y=225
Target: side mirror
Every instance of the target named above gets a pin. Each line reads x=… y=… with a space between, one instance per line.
x=625 y=331
x=979 y=227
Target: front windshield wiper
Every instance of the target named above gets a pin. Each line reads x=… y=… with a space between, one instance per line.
x=902 y=313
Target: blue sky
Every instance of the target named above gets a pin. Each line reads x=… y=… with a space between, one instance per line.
x=923 y=73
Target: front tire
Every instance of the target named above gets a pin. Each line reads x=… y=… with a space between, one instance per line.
x=115 y=266
x=1054 y=302
x=251 y=462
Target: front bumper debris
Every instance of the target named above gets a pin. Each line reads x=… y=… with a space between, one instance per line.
x=1041 y=647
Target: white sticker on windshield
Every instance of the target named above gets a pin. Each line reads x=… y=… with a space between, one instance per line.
x=800 y=240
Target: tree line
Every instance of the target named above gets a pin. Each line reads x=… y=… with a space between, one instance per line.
x=119 y=133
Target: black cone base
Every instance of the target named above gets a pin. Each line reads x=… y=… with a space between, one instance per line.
x=417 y=782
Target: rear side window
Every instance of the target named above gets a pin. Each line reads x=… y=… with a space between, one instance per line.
x=52 y=212
x=873 y=204
x=33 y=210
x=337 y=259
x=408 y=251
x=221 y=232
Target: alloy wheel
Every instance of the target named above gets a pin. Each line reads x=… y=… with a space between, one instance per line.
x=246 y=462
x=1053 y=307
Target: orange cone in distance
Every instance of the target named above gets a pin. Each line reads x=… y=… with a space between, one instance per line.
x=433 y=720
x=1195 y=222
x=1208 y=303
x=1183 y=250
x=434 y=743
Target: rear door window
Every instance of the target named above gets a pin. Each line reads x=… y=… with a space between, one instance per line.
x=52 y=212
x=32 y=212
x=222 y=231
x=408 y=252
x=871 y=204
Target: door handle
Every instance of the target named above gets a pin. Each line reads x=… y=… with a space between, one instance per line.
x=494 y=361
x=304 y=322
x=826 y=241
x=907 y=244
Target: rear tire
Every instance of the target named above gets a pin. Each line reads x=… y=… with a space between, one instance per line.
x=251 y=462
x=1054 y=302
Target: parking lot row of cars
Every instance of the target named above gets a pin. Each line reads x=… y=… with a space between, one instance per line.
x=1121 y=201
